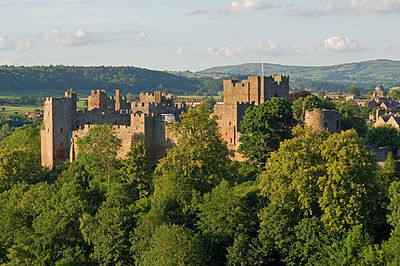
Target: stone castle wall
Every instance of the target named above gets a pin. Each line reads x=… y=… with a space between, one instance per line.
x=323 y=119
x=63 y=124
x=239 y=96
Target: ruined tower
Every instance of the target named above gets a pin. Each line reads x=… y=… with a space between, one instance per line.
x=58 y=123
x=97 y=100
x=323 y=119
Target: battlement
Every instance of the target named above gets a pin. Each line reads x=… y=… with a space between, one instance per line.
x=144 y=115
x=98 y=92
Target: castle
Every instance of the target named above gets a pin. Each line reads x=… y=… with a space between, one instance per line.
x=320 y=119
x=238 y=96
x=143 y=120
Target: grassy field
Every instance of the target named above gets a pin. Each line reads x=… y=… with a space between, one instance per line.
x=20 y=109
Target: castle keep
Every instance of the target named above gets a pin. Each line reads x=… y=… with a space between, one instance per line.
x=238 y=96
x=143 y=120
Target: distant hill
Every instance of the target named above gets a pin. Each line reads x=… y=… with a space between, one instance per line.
x=54 y=80
x=365 y=74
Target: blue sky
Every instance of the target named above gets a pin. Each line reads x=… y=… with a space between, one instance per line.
x=194 y=35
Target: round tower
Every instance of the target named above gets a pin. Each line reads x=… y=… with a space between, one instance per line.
x=320 y=119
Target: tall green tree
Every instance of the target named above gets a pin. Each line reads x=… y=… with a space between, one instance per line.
x=97 y=151
x=331 y=177
x=264 y=127
x=200 y=161
x=136 y=170
x=384 y=135
x=310 y=102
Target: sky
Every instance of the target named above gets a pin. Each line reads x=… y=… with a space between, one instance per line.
x=194 y=35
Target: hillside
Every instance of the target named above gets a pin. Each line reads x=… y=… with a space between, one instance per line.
x=365 y=74
x=54 y=80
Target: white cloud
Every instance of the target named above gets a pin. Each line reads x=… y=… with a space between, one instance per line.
x=74 y=38
x=338 y=43
x=179 y=51
x=199 y=12
x=271 y=48
x=262 y=48
x=248 y=6
x=374 y=7
x=22 y=45
x=3 y=43
x=141 y=36
x=303 y=12
x=351 y=7
x=329 y=8
x=7 y=61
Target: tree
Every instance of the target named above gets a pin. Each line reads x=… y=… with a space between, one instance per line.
x=27 y=137
x=136 y=171
x=298 y=94
x=264 y=127
x=19 y=165
x=354 y=90
x=228 y=215
x=309 y=103
x=394 y=93
x=97 y=151
x=384 y=135
x=109 y=229
x=200 y=161
x=352 y=116
x=290 y=178
x=349 y=188
x=321 y=93
x=172 y=245
x=331 y=177
x=391 y=248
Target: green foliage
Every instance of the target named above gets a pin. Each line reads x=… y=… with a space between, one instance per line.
x=27 y=137
x=351 y=249
x=136 y=170
x=384 y=135
x=199 y=161
x=309 y=103
x=19 y=165
x=354 y=90
x=108 y=231
x=349 y=187
x=330 y=78
x=332 y=177
x=209 y=103
x=321 y=93
x=394 y=93
x=353 y=116
x=29 y=80
x=98 y=151
x=172 y=245
x=264 y=127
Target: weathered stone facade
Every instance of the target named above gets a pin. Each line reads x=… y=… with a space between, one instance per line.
x=323 y=119
x=143 y=120
x=238 y=96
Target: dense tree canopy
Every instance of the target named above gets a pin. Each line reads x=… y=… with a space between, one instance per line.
x=318 y=200
x=264 y=127
x=382 y=136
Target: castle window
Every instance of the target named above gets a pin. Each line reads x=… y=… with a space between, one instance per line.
x=337 y=124
x=325 y=125
x=275 y=95
x=62 y=144
x=230 y=123
x=60 y=130
x=231 y=140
